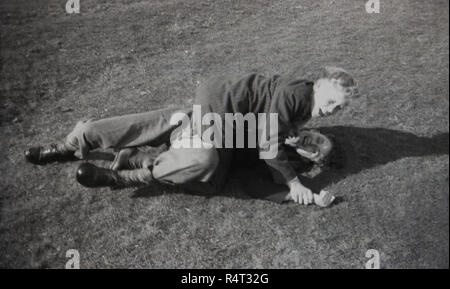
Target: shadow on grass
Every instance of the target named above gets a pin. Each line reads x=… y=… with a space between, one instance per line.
x=357 y=149
x=152 y=190
x=365 y=148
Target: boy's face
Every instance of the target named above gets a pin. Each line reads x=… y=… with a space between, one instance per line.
x=312 y=145
x=329 y=97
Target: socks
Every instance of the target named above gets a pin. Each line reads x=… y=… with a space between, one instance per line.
x=131 y=158
x=136 y=177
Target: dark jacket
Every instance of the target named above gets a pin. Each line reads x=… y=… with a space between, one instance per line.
x=254 y=93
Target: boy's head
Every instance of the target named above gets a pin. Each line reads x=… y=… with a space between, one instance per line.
x=313 y=145
x=333 y=90
x=320 y=149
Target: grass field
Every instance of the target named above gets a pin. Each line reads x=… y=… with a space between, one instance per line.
x=126 y=56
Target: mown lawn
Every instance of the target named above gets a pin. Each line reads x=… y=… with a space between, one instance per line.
x=127 y=56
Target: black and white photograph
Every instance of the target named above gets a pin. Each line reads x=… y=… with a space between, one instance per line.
x=224 y=134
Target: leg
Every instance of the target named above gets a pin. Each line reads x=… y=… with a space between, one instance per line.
x=131 y=158
x=133 y=130
x=191 y=168
x=149 y=128
x=200 y=170
x=181 y=166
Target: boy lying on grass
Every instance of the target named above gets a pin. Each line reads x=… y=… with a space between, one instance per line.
x=205 y=168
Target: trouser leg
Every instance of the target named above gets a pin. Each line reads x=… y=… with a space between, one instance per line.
x=200 y=170
x=195 y=169
x=182 y=165
x=191 y=168
x=149 y=128
x=132 y=158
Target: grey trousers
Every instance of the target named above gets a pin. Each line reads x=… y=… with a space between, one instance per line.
x=178 y=166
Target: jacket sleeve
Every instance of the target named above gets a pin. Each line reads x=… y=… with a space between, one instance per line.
x=280 y=167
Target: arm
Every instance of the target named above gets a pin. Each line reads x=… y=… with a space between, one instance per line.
x=289 y=107
x=282 y=169
x=299 y=193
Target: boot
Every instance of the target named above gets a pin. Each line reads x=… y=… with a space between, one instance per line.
x=92 y=176
x=56 y=152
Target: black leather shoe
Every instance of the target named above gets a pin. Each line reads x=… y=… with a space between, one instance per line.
x=92 y=176
x=43 y=155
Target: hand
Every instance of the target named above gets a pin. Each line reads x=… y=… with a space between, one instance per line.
x=300 y=194
x=309 y=155
x=324 y=199
x=292 y=141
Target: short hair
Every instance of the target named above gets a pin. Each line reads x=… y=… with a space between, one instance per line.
x=344 y=78
x=336 y=157
x=334 y=160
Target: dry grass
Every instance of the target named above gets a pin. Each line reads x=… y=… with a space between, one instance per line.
x=125 y=56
